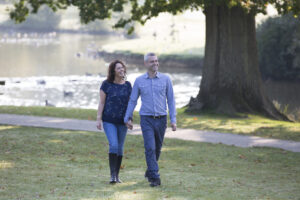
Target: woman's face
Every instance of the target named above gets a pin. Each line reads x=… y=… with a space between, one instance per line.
x=119 y=70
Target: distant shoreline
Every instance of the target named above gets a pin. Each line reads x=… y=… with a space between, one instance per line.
x=63 y=31
x=69 y=31
x=166 y=61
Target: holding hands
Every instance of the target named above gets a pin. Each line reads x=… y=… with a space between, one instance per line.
x=129 y=125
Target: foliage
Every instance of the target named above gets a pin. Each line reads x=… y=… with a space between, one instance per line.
x=44 y=20
x=91 y=10
x=278 y=41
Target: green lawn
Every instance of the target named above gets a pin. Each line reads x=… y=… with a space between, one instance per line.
x=40 y=163
x=252 y=125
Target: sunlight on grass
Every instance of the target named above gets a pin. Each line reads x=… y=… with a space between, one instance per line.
x=6 y=127
x=126 y=184
x=6 y=165
x=131 y=195
x=66 y=132
x=251 y=125
x=56 y=141
x=63 y=132
x=172 y=149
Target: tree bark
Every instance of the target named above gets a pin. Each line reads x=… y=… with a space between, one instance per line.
x=231 y=80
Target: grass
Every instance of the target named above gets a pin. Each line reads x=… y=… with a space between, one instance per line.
x=252 y=125
x=40 y=163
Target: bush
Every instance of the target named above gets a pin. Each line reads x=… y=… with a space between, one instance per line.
x=278 y=41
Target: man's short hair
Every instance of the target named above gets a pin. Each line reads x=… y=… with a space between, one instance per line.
x=147 y=55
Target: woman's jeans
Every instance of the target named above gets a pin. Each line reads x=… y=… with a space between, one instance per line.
x=115 y=134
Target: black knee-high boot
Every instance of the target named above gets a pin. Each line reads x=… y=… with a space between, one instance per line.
x=119 y=162
x=113 y=158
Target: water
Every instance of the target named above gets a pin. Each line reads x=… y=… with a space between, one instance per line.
x=62 y=69
x=49 y=54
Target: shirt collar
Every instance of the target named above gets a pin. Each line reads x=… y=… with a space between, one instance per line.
x=147 y=75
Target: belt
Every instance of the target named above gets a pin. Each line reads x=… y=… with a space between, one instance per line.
x=156 y=117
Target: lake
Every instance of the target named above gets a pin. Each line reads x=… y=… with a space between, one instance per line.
x=62 y=69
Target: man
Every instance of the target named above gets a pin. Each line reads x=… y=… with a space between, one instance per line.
x=156 y=91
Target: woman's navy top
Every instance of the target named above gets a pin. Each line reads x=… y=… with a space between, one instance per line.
x=117 y=97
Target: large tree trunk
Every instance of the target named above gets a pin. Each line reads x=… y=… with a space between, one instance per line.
x=231 y=80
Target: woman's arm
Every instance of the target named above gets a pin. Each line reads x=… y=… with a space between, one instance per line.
x=100 y=109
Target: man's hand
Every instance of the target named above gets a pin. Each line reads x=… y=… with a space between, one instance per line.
x=129 y=125
x=99 y=124
x=173 y=125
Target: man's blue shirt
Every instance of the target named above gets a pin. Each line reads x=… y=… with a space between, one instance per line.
x=155 y=94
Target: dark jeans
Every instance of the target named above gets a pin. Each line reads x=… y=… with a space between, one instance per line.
x=153 y=134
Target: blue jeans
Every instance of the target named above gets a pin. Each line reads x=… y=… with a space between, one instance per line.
x=115 y=134
x=153 y=134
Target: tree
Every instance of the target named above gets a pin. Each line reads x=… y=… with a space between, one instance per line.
x=231 y=80
x=278 y=40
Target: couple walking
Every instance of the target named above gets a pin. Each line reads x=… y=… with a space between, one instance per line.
x=117 y=102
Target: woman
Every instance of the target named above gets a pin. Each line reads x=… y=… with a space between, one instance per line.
x=114 y=97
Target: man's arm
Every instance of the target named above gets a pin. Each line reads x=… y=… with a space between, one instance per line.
x=171 y=104
x=132 y=102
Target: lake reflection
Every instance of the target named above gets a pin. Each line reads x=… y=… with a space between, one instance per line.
x=23 y=55
x=61 y=69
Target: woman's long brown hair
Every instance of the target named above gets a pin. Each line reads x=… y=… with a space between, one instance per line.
x=111 y=70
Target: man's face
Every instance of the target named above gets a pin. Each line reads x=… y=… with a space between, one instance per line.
x=152 y=64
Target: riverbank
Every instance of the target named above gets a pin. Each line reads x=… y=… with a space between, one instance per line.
x=179 y=54
x=166 y=61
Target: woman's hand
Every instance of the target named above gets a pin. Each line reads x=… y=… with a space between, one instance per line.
x=129 y=125
x=99 y=124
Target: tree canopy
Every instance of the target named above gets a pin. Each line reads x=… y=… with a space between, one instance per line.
x=43 y=20
x=141 y=11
